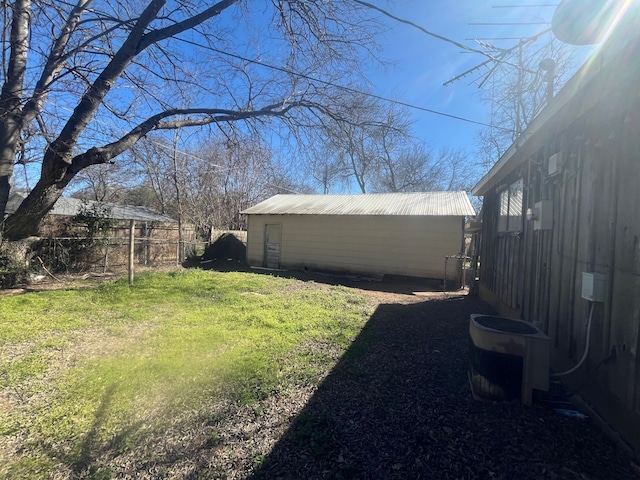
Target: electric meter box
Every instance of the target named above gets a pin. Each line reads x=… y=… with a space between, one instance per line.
x=593 y=286
x=543 y=219
x=555 y=164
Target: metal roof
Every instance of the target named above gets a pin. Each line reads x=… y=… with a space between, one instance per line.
x=71 y=206
x=423 y=203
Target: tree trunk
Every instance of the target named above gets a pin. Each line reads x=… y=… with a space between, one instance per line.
x=15 y=262
x=25 y=222
x=5 y=187
x=9 y=137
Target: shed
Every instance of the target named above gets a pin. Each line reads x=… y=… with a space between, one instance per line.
x=68 y=207
x=560 y=239
x=156 y=235
x=404 y=234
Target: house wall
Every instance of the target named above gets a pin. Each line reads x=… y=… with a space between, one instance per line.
x=537 y=274
x=411 y=246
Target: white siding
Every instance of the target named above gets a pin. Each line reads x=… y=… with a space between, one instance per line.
x=396 y=245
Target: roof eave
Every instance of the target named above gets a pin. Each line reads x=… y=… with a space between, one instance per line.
x=551 y=116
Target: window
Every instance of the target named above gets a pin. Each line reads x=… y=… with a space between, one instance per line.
x=510 y=219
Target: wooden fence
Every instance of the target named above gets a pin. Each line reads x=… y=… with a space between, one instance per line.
x=153 y=245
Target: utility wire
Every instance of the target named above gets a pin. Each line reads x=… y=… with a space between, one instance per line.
x=341 y=87
x=422 y=29
x=164 y=146
x=500 y=58
x=350 y=89
x=526 y=6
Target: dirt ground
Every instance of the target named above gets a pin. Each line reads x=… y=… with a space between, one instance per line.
x=396 y=405
x=64 y=281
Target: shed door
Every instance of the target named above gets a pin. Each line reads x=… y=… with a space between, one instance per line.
x=272 y=238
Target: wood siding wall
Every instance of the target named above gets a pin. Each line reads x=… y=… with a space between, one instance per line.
x=410 y=246
x=596 y=228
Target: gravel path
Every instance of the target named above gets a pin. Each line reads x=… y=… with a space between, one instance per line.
x=398 y=405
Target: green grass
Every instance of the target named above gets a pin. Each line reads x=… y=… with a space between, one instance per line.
x=91 y=372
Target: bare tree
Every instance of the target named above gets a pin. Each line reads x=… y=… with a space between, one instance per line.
x=417 y=168
x=411 y=169
x=209 y=184
x=517 y=88
x=325 y=169
x=226 y=178
x=358 y=143
x=104 y=183
x=151 y=163
x=372 y=148
x=93 y=78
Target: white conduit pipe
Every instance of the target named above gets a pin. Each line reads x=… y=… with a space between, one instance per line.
x=586 y=348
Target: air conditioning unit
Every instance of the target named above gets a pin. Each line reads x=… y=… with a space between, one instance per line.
x=554 y=166
x=508 y=358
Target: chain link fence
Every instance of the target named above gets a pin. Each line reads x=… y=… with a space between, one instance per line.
x=455 y=272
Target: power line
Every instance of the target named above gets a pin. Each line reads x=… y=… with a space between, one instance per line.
x=422 y=29
x=353 y=90
x=356 y=91
x=507 y=23
x=495 y=38
x=500 y=59
x=342 y=87
x=526 y=6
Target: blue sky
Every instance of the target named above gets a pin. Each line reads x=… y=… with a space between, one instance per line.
x=418 y=64
x=422 y=63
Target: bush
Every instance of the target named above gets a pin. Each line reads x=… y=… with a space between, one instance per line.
x=87 y=233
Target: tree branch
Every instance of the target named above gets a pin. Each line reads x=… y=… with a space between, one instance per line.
x=104 y=154
x=55 y=63
x=163 y=33
x=94 y=95
x=19 y=41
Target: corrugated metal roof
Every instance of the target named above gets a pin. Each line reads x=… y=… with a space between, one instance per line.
x=423 y=203
x=71 y=206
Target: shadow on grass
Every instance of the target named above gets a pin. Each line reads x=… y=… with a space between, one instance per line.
x=85 y=460
x=388 y=405
x=398 y=406
x=389 y=283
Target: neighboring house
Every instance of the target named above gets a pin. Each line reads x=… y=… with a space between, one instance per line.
x=405 y=234
x=564 y=201
x=156 y=233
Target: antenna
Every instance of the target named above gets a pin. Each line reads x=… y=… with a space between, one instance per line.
x=500 y=56
x=500 y=59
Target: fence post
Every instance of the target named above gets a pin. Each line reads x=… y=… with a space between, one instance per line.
x=106 y=257
x=444 y=281
x=132 y=251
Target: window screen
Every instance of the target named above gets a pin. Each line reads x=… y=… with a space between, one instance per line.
x=510 y=219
